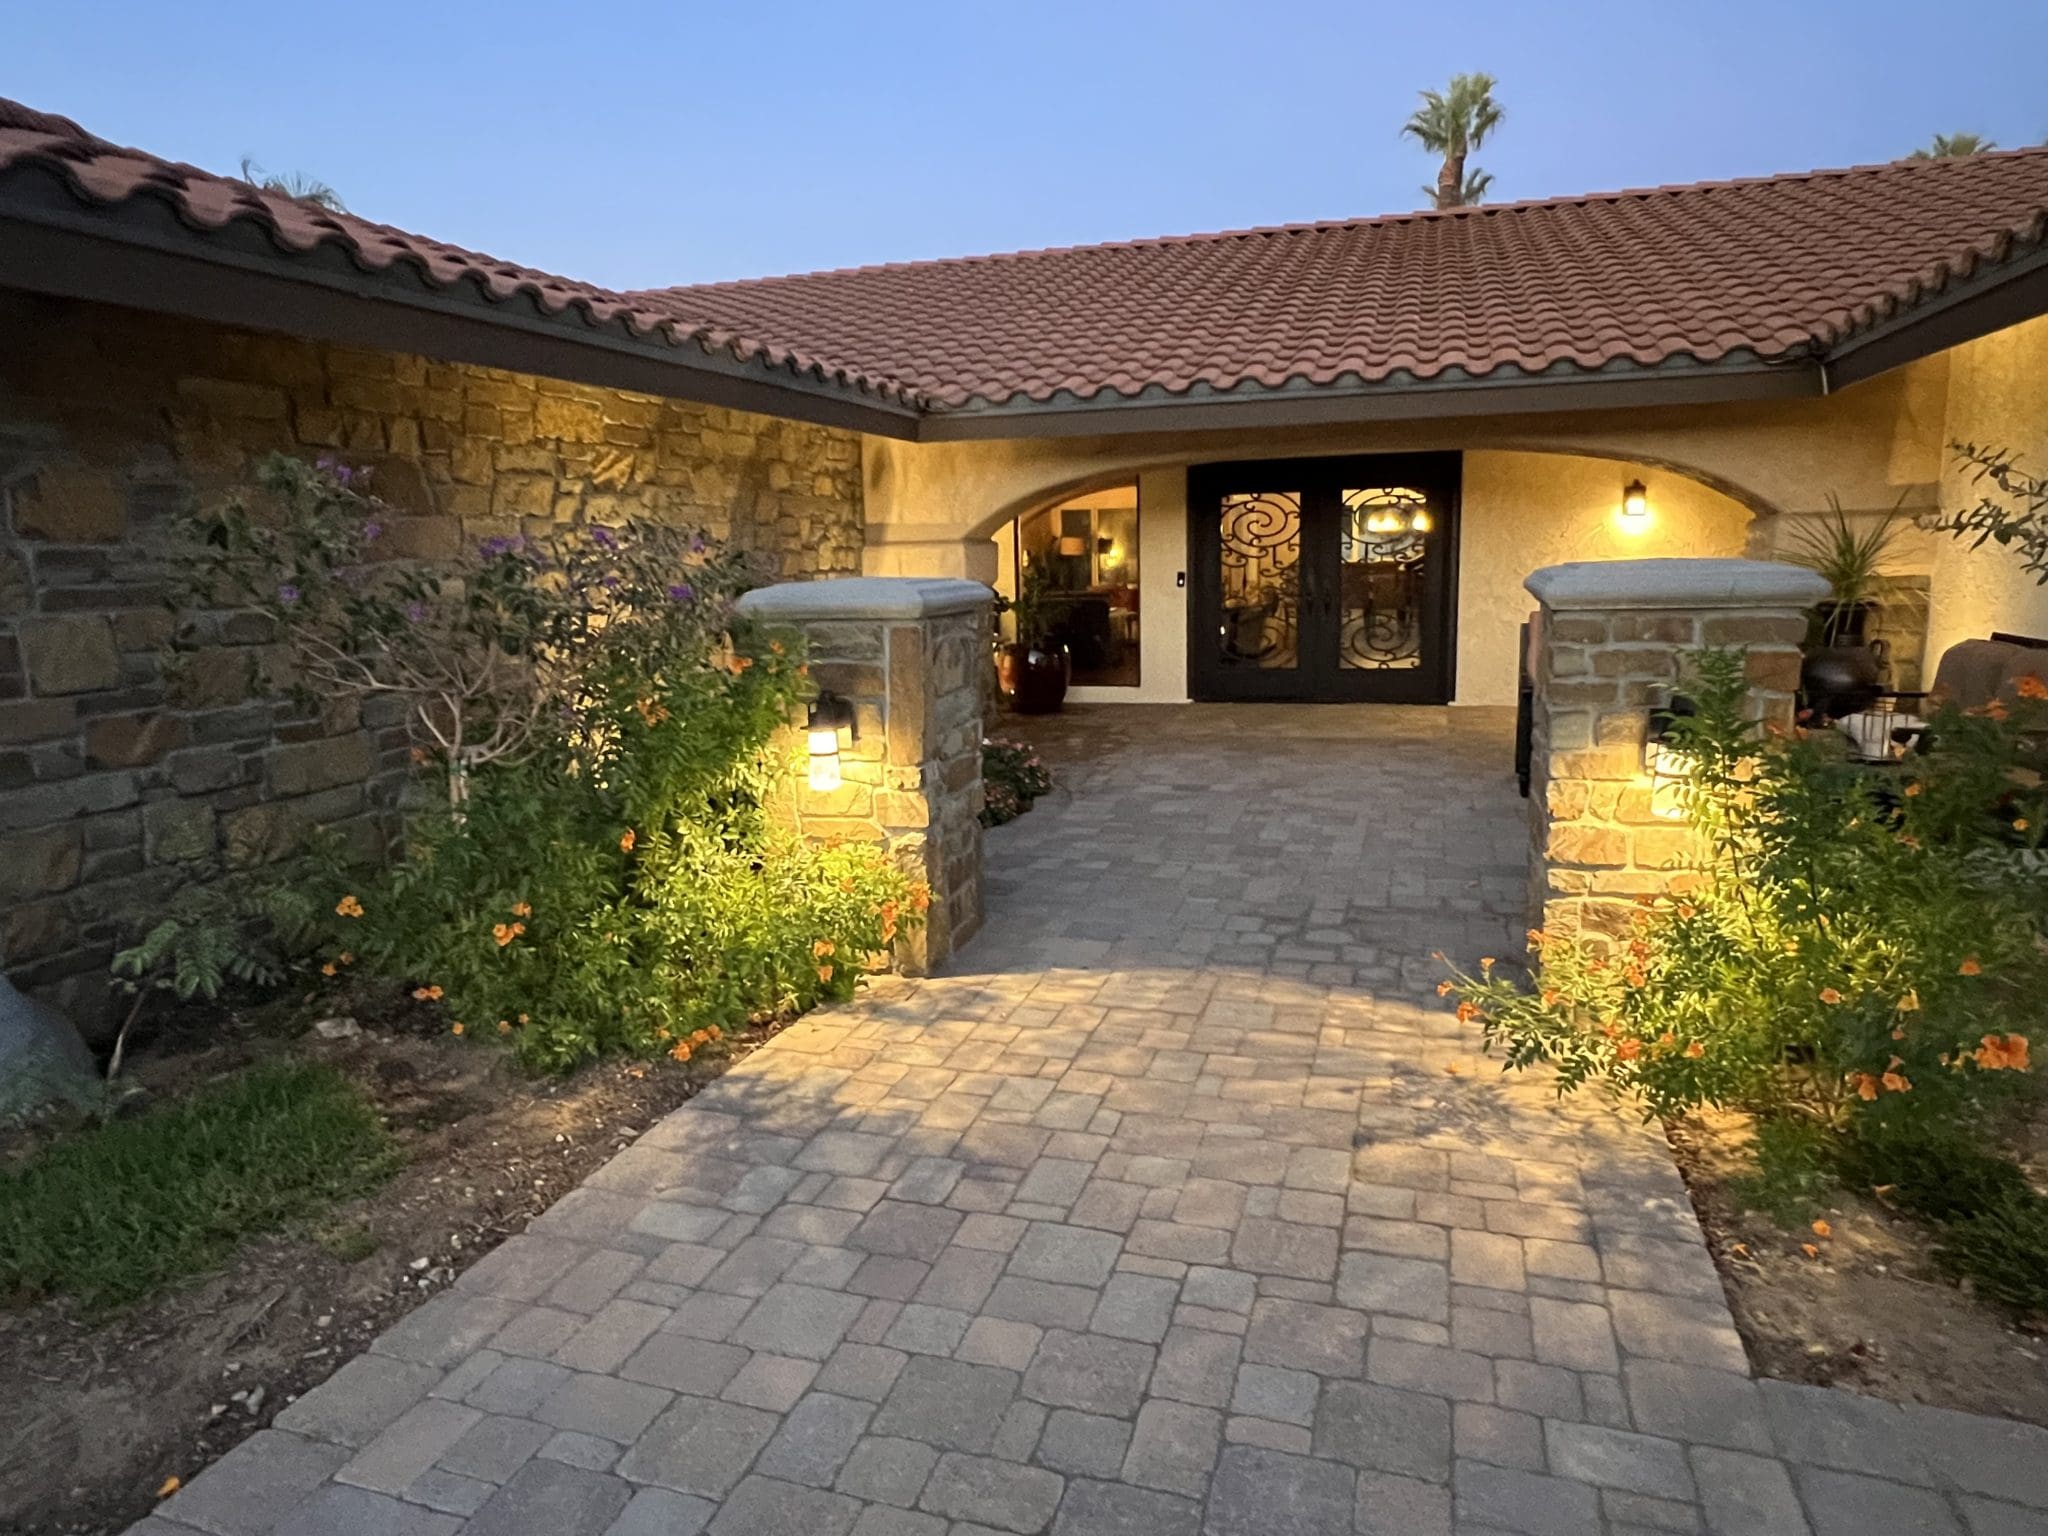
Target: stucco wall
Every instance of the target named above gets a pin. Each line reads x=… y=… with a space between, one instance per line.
x=118 y=781
x=1723 y=479
x=1997 y=397
x=1523 y=511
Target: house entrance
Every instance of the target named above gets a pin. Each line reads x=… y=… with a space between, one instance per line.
x=1324 y=579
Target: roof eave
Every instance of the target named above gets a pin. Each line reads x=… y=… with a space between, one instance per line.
x=140 y=254
x=1500 y=393
x=1991 y=299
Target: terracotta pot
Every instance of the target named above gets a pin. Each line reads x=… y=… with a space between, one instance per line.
x=1836 y=680
x=1034 y=676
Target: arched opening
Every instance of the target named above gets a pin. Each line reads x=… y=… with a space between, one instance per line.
x=1075 y=568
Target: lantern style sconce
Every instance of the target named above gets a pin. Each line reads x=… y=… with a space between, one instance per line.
x=829 y=715
x=1635 y=506
x=1668 y=764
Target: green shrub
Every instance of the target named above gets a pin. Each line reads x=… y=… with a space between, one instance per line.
x=2003 y=1251
x=594 y=869
x=1012 y=777
x=118 y=1211
x=1854 y=944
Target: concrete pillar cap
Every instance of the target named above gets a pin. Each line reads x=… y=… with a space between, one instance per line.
x=865 y=597
x=1609 y=584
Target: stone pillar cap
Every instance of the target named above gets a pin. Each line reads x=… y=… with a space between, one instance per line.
x=1676 y=584
x=865 y=597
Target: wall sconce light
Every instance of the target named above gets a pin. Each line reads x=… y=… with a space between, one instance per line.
x=1635 y=506
x=1669 y=765
x=829 y=715
x=1420 y=520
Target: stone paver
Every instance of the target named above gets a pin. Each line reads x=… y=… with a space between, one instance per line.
x=1159 y=1214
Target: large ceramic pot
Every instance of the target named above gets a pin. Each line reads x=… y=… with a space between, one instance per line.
x=1035 y=676
x=1837 y=680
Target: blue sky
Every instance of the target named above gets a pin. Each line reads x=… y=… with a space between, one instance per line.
x=635 y=145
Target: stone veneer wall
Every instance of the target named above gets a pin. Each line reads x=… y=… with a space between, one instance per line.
x=117 y=781
x=1613 y=646
x=910 y=654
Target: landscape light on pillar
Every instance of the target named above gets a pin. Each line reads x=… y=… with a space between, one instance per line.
x=829 y=715
x=1669 y=765
x=1635 y=506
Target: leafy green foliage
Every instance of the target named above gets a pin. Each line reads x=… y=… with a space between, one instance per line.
x=604 y=876
x=1852 y=559
x=2011 y=510
x=1853 y=942
x=1012 y=777
x=118 y=1211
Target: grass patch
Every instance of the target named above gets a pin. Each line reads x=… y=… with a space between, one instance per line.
x=121 y=1210
x=1795 y=1171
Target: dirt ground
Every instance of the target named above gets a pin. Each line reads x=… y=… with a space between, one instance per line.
x=95 y=1418
x=1870 y=1310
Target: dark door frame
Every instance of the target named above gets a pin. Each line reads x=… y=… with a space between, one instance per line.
x=1321 y=482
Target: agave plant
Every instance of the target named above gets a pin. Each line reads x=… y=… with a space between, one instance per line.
x=1852 y=559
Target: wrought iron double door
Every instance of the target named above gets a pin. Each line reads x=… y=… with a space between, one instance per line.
x=1324 y=579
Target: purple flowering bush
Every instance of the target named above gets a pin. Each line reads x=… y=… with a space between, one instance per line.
x=601 y=875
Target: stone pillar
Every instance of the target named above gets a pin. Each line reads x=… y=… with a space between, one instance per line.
x=1612 y=641
x=909 y=653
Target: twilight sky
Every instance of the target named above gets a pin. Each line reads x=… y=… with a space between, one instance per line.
x=641 y=144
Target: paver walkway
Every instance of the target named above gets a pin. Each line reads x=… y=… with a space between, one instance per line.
x=1181 y=1206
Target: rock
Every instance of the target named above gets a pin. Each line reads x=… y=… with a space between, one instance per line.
x=339 y=1028
x=42 y=1059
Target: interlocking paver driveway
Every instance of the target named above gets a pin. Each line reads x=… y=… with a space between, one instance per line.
x=1180 y=1206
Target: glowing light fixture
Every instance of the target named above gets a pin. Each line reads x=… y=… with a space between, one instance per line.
x=1669 y=765
x=1421 y=521
x=1635 y=505
x=829 y=715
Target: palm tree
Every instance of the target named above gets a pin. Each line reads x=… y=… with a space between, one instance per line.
x=1947 y=146
x=1453 y=123
x=307 y=189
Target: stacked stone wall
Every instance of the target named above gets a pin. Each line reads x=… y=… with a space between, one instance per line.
x=121 y=777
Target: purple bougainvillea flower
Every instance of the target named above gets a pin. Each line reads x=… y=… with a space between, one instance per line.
x=372 y=531
x=287 y=593
x=682 y=592
x=602 y=538
x=415 y=611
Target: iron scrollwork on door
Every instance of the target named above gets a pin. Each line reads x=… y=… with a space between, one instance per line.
x=1261 y=570
x=1381 y=582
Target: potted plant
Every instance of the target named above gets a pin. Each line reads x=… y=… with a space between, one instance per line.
x=1844 y=665
x=1034 y=669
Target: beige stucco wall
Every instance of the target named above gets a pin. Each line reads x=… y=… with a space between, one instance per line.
x=1539 y=489
x=1997 y=397
x=1523 y=511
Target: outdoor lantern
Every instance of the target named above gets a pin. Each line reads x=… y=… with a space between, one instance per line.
x=1421 y=521
x=829 y=715
x=1667 y=763
x=1635 y=505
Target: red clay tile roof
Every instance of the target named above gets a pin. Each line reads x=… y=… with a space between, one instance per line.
x=1763 y=269
x=1735 y=273
x=104 y=175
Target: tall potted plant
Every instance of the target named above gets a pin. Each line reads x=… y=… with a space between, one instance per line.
x=1844 y=663
x=1034 y=669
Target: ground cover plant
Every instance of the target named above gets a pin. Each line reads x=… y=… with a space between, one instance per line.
x=1012 y=777
x=588 y=865
x=1858 y=960
x=117 y=1211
